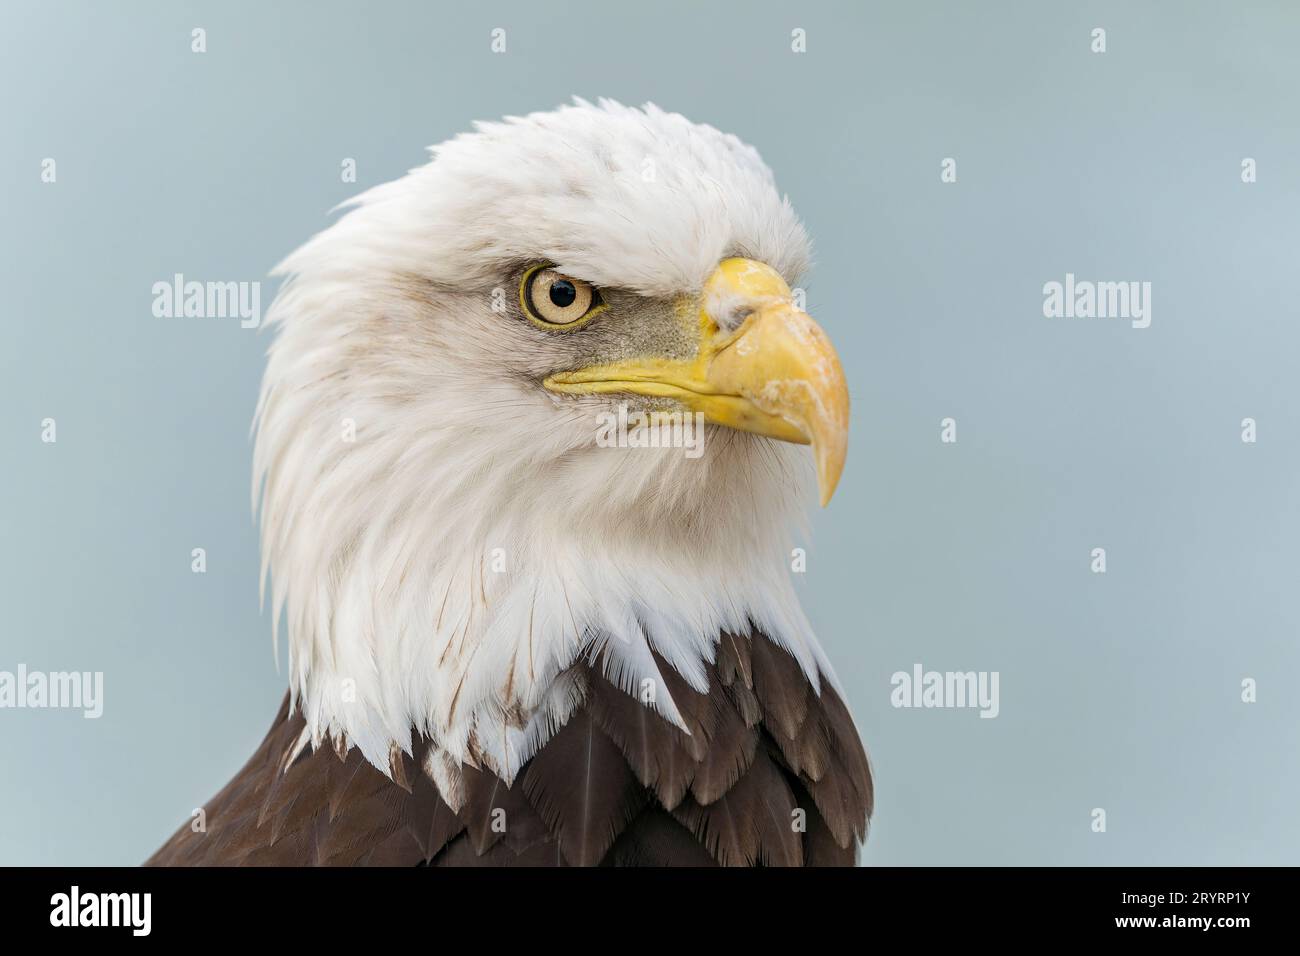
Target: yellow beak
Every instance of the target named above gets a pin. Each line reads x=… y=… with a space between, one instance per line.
x=775 y=374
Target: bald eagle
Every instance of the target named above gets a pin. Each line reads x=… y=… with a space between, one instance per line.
x=511 y=642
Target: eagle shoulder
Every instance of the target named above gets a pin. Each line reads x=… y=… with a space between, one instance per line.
x=771 y=773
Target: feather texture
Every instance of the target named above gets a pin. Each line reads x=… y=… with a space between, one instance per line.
x=750 y=824
x=429 y=566
x=729 y=754
x=584 y=790
x=617 y=785
x=654 y=749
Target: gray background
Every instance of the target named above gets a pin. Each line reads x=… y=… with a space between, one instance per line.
x=1119 y=691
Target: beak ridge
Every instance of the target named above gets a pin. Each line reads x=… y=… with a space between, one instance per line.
x=783 y=363
x=776 y=374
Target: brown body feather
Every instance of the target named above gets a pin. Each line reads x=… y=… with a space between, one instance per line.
x=616 y=786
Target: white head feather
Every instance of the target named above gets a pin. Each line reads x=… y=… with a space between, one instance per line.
x=383 y=550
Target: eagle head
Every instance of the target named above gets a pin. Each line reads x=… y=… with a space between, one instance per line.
x=445 y=523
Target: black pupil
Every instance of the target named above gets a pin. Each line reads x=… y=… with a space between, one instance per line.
x=563 y=294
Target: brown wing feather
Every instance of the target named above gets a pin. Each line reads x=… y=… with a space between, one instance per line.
x=583 y=788
x=729 y=755
x=654 y=748
x=617 y=785
x=781 y=688
x=847 y=746
x=699 y=711
x=733 y=661
x=493 y=811
x=820 y=848
x=750 y=824
x=655 y=839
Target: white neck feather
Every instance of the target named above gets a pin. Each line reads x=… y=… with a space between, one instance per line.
x=442 y=568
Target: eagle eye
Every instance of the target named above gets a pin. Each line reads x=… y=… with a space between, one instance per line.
x=557 y=301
